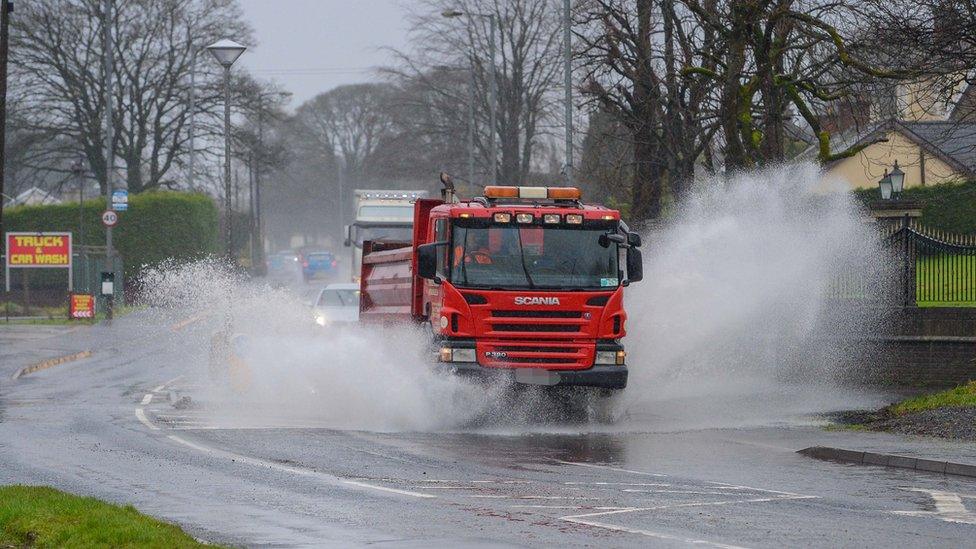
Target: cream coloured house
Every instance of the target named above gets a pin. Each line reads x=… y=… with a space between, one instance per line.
x=934 y=142
x=929 y=152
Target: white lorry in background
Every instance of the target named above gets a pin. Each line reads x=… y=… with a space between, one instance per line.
x=380 y=216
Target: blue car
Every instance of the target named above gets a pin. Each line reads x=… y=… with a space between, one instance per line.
x=318 y=264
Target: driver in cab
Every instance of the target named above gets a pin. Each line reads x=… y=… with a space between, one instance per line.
x=476 y=251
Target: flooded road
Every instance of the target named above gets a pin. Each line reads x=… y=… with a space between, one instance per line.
x=132 y=424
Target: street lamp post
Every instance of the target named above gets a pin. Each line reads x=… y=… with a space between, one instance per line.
x=492 y=86
x=226 y=53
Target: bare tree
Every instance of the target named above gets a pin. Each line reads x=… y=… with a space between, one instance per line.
x=56 y=72
x=528 y=43
x=632 y=53
x=349 y=122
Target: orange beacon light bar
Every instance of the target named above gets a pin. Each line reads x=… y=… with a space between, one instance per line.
x=552 y=193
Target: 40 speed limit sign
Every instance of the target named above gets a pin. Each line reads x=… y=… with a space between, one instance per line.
x=110 y=218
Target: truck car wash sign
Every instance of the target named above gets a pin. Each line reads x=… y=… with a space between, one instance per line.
x=38 y=251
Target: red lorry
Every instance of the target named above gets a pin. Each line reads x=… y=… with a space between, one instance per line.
x=523 y=283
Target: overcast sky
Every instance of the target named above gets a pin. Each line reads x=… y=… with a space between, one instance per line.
x=310 y=46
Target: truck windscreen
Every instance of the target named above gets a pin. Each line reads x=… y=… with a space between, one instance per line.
x=511 y=256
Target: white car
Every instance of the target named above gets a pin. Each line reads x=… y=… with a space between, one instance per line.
x=336 y=303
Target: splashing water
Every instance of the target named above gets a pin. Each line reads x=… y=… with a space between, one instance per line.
x=731 y=318
x=722 y=329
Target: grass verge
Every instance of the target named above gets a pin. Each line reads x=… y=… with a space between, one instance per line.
x=34 y=516
x=958 y=397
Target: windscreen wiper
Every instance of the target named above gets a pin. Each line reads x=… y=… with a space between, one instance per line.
x=525 y=268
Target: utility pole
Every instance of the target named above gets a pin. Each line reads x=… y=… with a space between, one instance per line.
x=109 y=141
x=191 y=176
x=568 y=83
x=78 y=171
x=258 y=259
x=471 y=97
x=494 y=103
x=8 y=7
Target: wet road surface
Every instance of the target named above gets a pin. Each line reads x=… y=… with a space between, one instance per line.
x=116 y=426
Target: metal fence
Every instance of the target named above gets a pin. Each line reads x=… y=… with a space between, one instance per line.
x=922 y=266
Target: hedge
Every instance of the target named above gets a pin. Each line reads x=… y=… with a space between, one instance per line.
x=948 y=207
x=157 y=226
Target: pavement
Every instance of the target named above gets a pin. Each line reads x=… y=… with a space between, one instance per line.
x=117 y=425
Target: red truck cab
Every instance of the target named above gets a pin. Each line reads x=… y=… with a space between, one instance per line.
x=523 y=283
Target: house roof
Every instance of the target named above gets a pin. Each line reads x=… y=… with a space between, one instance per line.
x=952 y=142
x=33 y=196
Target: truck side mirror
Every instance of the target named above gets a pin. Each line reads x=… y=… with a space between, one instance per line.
x=347 y=232
x=634 y=240
x=635 y=265
x=427 y=261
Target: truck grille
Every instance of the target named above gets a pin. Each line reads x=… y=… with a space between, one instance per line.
x=537 y=314
x=551 y=354
x=533 y=322
x=535 y=328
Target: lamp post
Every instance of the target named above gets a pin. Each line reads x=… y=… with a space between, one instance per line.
x=492 y=87
x=226 y=53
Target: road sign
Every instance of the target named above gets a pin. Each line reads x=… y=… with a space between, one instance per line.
x=120 y=200
x=110 y=218
x=38 y=251
x=82 y=306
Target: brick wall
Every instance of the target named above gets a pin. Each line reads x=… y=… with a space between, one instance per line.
x=932 y=347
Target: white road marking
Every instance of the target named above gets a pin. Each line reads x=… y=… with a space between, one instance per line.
x=512 y=496
x=584 y=519
x=608 y=468
x=141 y=416
x=948 y=507
x=575 y=507
x=648 y=533
x=258 y=462
x=661 y=484
x=641 y=491
x=163 y=386
x=147 y=399
x=726 y=486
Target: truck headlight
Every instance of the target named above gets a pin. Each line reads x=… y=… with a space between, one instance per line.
x=321 y=320
x=610 y=357
x=449 y=354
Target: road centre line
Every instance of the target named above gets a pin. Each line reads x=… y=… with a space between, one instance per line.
x=608 y=468
x=661 y=484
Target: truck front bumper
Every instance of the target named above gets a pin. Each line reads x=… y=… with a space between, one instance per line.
x=600 y=376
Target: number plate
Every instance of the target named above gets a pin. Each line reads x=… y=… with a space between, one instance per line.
x=536 y=376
